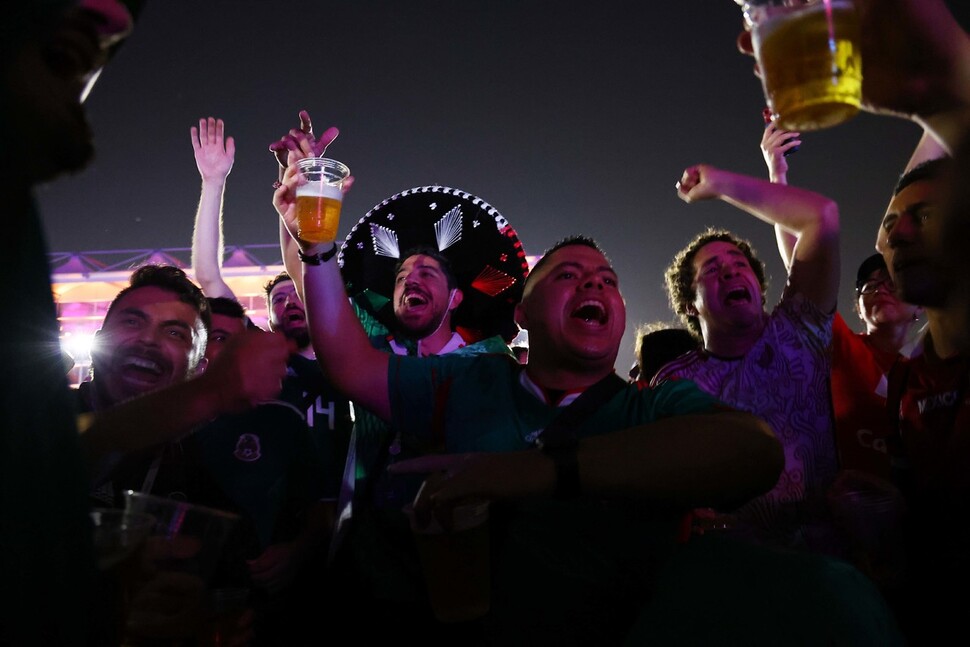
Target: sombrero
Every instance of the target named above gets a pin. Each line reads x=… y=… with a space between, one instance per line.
x=484 y=250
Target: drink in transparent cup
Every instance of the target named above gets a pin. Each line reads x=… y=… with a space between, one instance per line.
x=810 y=60
x=319 y=199
x=226 y=608
x=119 y=537
x=455 y=563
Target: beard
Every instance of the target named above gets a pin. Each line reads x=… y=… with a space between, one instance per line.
x=301 y=336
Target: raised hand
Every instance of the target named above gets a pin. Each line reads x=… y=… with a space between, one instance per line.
x=775 y=142
x=249 y=371
x=301 y=142
x=214 y=152
x=698 y=183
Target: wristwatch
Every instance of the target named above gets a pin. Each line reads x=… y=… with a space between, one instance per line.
x=318 y=259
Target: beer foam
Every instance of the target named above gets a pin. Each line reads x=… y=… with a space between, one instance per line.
x=320 y=189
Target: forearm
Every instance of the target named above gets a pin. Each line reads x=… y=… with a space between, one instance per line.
x=291 y=262
x=811 y=219
x=715 y=460
x=151 y=419
x=341 y=346
x=207 y=240
x=795 y=210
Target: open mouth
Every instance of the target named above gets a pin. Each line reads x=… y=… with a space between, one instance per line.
x=591 y=312
x=414 y=299
x=142 y=370
x=295 y=316
x=738 y=295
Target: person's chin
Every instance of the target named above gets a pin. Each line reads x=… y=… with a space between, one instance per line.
x=300 y=335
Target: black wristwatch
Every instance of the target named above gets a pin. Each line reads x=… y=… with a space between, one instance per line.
x=318 y=259
x=562 y=451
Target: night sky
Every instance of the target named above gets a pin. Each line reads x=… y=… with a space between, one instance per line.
x=567 y=117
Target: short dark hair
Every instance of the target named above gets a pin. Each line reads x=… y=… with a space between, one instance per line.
x=273 y=282
x=226 y=307
x=929 y=170
x=680 y=274
x=659 y=343
x=577 y=239
x=172 y=279
x=430 y=252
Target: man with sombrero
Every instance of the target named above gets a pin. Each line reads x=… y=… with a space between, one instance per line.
x=431 y=271
x=690 y=449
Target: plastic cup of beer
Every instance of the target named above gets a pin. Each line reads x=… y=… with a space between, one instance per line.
x=810 y=61
x=455 y=562
x=226 y=608
x=119 y=536
x=319 y=198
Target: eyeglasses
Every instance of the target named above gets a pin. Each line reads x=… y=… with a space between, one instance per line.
x=872 y=286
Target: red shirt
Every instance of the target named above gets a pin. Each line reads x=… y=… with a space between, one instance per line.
x=859 y=400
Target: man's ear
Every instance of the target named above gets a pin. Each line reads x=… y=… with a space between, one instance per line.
x=456 y=298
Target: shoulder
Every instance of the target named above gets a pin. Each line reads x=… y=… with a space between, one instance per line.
x=797 y=312
x=683 y=366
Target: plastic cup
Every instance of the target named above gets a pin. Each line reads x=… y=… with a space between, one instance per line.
x=319 y=198
x=186 y=537
x=119 y=536
x=810 y=61
x=455 y=563
x=226 y=609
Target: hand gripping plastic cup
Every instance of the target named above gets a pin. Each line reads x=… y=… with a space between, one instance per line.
x=319 y=198
x=810 y=61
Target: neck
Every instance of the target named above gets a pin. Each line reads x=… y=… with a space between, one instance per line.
x=946 y=333
x=307 y=351
x=557 y=377
x=889 y=338
x=434 y=342
x=735 y=342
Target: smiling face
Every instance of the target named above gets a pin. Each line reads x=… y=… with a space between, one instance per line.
x=909 y=242
x=287 y=314
x=150 y=340
x=423 y=303
x=573 y=310
x=727 y=293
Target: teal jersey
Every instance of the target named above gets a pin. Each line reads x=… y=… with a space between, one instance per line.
x=564 y=572
x=479 y=404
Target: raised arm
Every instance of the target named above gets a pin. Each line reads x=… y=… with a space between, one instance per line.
x=716 y=459
x=214 y=156
x=812 y=218
x=357 y=369
x=775 y=144
x=289 y=149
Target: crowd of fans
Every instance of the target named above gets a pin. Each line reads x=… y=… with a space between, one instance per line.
x=765 y=476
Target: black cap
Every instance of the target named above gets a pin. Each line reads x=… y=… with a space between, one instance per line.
x=870 y=265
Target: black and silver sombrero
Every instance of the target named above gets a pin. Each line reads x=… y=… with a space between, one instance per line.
x=485 y=253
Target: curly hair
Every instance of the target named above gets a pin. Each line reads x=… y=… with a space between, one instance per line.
x=680 y=274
